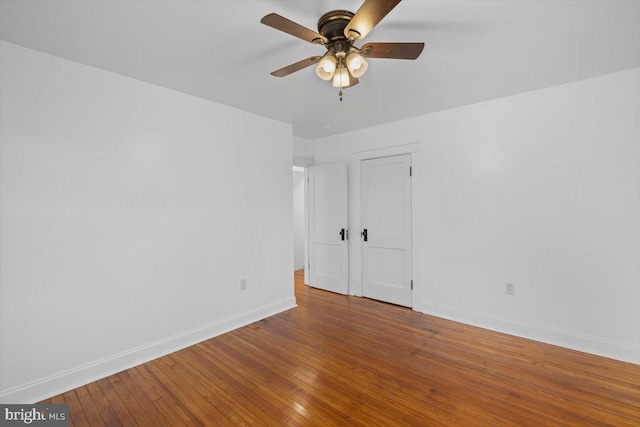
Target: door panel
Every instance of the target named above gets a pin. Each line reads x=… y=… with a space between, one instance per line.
x=328 y=260
x=328 y=216
x=386 y=214
x=386 y=266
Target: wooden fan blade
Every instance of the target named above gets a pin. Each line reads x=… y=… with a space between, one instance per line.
x=392 y=50
x=296 y=67
x=281 y=23
x=370 y=13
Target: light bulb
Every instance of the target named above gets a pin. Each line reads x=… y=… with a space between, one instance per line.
x=326 y=67
x=356 y=64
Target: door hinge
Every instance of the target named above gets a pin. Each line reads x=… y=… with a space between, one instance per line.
x=410 y=171
x=411 y=284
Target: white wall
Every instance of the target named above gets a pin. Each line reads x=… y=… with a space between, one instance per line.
x=302 y=151
x=129 y=213
x=299 y=229
x=540 y=189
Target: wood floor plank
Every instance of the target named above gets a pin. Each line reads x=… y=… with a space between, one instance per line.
x=351 y=356
x=233 y=396
x=281 y=383
x=91 y=411
x=198 y=406
x=115 y=402
x=60 y=399
x=347 y=374
x=360 y=362
x=133 y=405
x=76 y=409
x=330 y=383
x=307 y=382
x=250 y=384
x=168 y=397
x=243 y=390
x=165 y=405
x=205 y=384
x=107 y=413
x=338 y=360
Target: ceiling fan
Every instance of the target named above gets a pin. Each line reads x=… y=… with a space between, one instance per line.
x=338 y=30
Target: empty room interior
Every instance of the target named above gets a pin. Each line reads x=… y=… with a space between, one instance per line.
x=331 y=213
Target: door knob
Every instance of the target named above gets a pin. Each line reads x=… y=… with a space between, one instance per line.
x=364 y=234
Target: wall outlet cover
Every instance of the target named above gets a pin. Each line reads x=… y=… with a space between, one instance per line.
x=510 y=288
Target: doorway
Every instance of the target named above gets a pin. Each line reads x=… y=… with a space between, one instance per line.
x=299 y=220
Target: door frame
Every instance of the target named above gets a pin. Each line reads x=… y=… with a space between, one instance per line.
x=355 y=223
x=305 y=162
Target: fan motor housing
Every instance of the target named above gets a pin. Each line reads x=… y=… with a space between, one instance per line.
x=332 y=24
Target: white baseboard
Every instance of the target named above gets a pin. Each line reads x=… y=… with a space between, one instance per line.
x=588 y=344
x=68 y=380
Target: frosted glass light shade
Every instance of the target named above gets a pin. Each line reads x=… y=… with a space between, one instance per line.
x=356 y=64
x=326 y=67
x=341 y=78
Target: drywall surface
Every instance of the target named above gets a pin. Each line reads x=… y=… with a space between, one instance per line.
x=302 y=151
x=541 y=190
x=129 y=215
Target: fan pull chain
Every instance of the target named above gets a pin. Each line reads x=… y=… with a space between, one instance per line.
x=340 y=93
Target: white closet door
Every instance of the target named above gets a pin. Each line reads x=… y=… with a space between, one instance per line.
x=328 y=234
x=386 y=217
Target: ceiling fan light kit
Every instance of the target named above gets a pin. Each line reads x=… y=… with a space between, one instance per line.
x=356 y=64
x=341 y=78
x=344 y=63
x=326 y=67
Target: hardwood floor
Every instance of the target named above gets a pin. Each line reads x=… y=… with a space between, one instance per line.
x=349 y=361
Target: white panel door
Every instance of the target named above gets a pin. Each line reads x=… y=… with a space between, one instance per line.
x=386 y=217
x=328 y=234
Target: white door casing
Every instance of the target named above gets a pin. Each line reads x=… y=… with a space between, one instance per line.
x=386 y=216
x=328 y=234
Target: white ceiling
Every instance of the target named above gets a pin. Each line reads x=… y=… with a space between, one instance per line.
x=218 y=50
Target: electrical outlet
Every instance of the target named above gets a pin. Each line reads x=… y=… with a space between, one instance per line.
x=510 y=288
x=243 y=284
